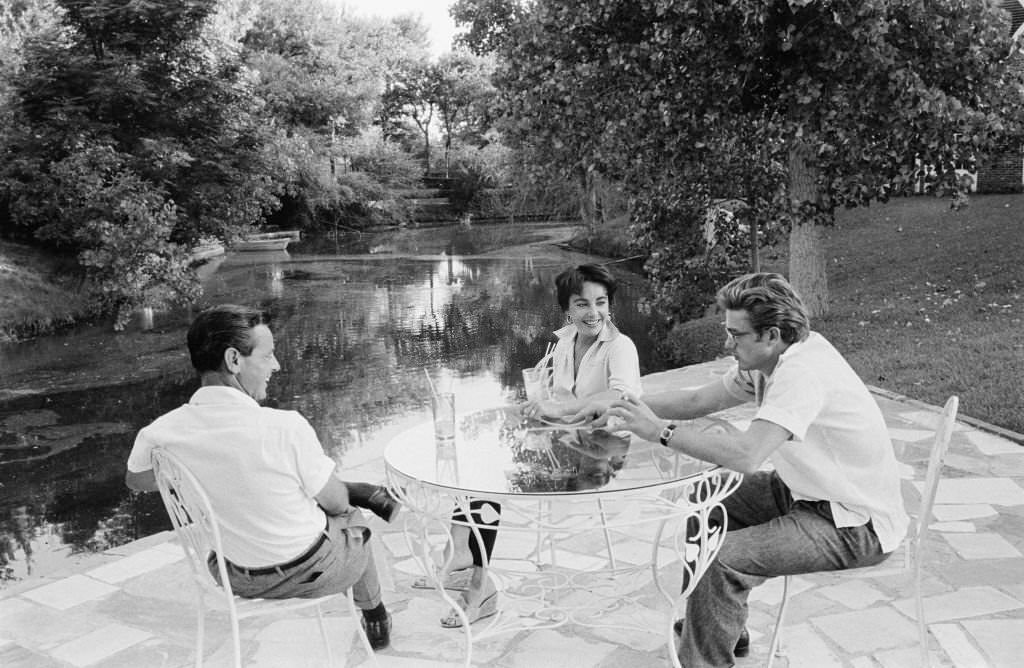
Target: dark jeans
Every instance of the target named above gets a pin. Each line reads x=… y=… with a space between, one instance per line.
x=769 y=535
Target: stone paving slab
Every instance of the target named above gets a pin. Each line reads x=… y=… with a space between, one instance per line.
x=133 y=606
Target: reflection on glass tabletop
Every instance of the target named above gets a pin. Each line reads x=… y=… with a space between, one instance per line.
x=498 y=451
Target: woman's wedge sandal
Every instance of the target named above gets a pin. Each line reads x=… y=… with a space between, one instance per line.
x=456 y=580
x=486 y=608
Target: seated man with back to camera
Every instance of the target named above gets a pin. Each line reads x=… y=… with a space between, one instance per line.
x=288 y=522
x=833 y=500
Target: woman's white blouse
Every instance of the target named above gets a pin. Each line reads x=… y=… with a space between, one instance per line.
x=611 y=362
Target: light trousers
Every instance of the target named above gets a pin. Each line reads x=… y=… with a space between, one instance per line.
x=344 y=560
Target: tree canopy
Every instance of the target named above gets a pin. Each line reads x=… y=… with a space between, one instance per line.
x=134 y=129
x=798 y=105
x=133 y=138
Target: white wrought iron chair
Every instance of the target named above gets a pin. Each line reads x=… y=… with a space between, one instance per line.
x=197 y=528
x=915 y=536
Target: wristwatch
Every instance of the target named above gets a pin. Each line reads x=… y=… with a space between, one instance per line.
x=666 y=433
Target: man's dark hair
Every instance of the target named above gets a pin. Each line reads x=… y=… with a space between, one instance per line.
x=769 y=301
x=570 y=282
x=218 y=328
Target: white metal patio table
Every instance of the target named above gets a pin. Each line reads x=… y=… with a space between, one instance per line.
x=561 y=485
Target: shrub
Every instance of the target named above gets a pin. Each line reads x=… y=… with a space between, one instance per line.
x=695 y=341
x=122 y=226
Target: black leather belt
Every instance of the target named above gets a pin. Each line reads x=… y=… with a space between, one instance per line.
x=297 y=561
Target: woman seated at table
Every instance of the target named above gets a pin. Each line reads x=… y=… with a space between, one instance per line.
x=591 y=359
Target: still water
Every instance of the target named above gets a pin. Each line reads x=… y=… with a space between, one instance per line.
x=354 y=334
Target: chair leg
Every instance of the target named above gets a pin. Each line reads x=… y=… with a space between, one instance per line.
x=323 y=634
x=354 y=611
x=200 y=628
x=922 y=623
x=236 y=637
x=776 y=645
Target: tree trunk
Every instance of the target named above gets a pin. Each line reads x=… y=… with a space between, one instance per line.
x=426 y=146
x=806 y=254
x=588 y=198
x=754 y=224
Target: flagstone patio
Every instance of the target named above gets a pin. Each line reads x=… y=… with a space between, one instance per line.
x=133 y=607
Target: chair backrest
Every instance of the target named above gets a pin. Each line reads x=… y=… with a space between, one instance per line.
x=943 y=434
x=194 y=520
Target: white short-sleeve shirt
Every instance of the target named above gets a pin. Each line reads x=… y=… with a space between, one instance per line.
x=840 y=450
x=610 y=363
x=261 y=468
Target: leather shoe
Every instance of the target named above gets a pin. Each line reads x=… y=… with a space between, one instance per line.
x=383 y=505
x=741 y=649
x=378 y=631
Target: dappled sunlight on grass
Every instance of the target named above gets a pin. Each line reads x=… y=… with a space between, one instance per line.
x=927 y=301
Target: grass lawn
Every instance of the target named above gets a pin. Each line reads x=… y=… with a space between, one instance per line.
x=926 y=301
x=36 y=294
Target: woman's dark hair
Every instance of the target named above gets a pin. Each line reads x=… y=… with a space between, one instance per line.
x=218 y=328
x=769 y=301
x=570 y=282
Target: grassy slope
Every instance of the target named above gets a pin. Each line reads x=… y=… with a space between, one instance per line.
x=34 y=296
x=927 y=301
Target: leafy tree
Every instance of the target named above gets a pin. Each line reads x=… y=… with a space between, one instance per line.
x=320 y=76
x=464 y=94
x=311 y=74
x=134 y=138
x=19 y=21
x=413 y=94
x=839 y=94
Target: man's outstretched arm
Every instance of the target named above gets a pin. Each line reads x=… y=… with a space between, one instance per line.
x=690 y=403
x=742 y=451
x=683 y=404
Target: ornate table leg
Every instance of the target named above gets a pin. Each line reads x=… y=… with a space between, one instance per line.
x=696 y=535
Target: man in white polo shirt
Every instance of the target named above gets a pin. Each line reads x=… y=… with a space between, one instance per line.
x=288 y=522
x=832 y=501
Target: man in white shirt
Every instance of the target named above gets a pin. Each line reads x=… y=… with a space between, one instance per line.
x=288 y=522
x=832 y=501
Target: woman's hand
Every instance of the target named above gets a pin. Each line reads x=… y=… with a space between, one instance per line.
x=545 y=408
x=593 y=411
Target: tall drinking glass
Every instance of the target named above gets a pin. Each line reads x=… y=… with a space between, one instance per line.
x=443 y=405
x=535 y=383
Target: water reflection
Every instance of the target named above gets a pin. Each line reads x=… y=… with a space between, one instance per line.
x=354 y=336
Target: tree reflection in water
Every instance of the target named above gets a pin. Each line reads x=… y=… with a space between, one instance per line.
x=353 y=336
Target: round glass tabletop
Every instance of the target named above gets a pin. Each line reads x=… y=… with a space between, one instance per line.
x=499 y=452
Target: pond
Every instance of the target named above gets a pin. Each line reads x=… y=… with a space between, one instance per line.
x=356 y=326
